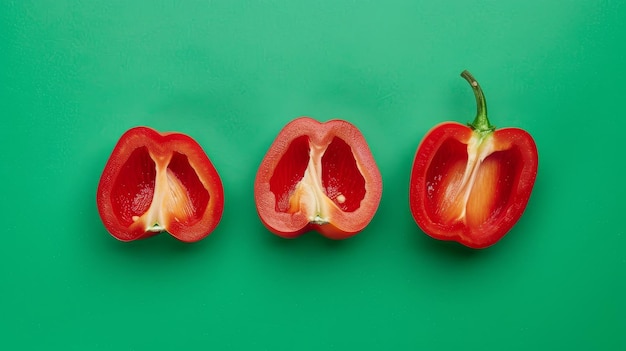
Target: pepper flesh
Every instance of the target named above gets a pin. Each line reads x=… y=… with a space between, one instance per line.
x=157 y=182
x=318 y=176
x=471 y=184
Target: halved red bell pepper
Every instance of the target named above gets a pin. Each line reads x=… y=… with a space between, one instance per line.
x=157 y=182
x=318 y=176
x=471 y=183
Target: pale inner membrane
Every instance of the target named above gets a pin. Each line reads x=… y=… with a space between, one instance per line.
x=308 y=196
x=171 y=200
x=473 y=184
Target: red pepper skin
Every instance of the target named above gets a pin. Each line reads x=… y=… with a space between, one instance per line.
x=318 y=176
x=471 y=184
x=156 y=182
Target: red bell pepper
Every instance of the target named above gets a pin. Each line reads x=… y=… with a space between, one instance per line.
x=318 y=176
x=157 y=182
x=471 y=183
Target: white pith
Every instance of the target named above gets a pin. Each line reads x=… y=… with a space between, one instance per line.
x=478 y=149
x=170 y=199
x=309 y=196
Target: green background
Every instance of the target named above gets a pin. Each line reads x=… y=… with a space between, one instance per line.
x=74 y=75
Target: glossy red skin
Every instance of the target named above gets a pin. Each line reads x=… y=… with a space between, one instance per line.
x=498 y=224
x=343 y=224
x=160 y=146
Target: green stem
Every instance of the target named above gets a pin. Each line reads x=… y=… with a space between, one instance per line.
x=481 y=122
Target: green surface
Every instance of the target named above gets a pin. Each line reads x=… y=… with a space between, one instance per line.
x=76 y=74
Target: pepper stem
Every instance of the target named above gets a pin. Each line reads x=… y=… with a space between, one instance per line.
x=481 y=122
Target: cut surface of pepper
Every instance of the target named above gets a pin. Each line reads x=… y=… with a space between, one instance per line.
x=472 y=183
x=155 y=182
x=318 y=176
